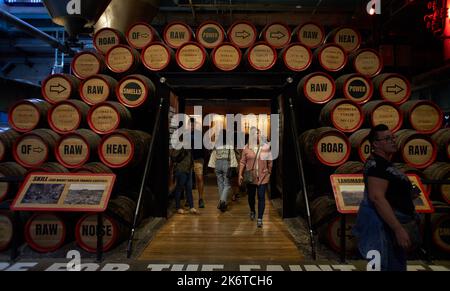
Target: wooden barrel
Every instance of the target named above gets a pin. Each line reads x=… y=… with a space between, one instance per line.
x=114 y=231
x=331 y=57
x=134 y=90
x=309 y=34
x=141 y=34
x=415 y=149
x=77 y=148
x=355 y=87
x=367 y=62
x=261 y=56
x=243 y=34
x=361 y=147
x=347 y=37
x=342 y=114
x=177 y=34
x=226 y=57
x=7 y=138
x=67 y=116
x=26 y=115
x=439 y=171
x=6 y=229
x=352 y=167
x=94 y=168
x=10 y=169
x=191 y=57
x=296 y=57
x=440 y=228
x=124 y=148
x=442 y=140
x=49 y=168
x=88 y=63
x=45 y=232
x=33 y=149
x=407 y=169
x=331 y=234
x=319 y=88
x=423 y=116
x=60 y=87
x=157 y=56
x=210 y=34
x=323 y=210
x=393 y=87
x=123 y=59
x=106 y=38
x=383 y=112
x=97 y=89
x=106 y=117
x=325 y=145
x=277 y=35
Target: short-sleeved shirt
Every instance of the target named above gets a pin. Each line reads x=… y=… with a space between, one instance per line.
x=399 y=190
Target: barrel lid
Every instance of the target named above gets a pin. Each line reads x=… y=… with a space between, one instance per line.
x=132 y=91
x=311 y=34
x=30 y=151
x=140 y=35
x=441 y=230
x=86 y=64
x=210 y=34
x=332 y=57
x=191 y=56
x=89 y=243
x=242 y=33
x=6 y=230
x=297 y=57
x=277 y=34
x=95 y=90
x=348 y=38
x=103 y=118
x=176 y=34
x=56 y=88
x=156 y=56
x=116 y=150
x=387 y=113
x=24 y=116
x=358 y=89
x=332 y=148
x=64 y=117
x=105 y=39
x=368 y=62
x=261 y=56
x=319 y=88
x=226 y=56
x=48 y=240
x=419 y=151
x=346 y=116
x=120 y=59
x=72 y=151
x=395 y=88
x=426 y=117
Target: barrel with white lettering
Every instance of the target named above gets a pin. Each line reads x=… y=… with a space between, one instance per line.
x=309 y=34
x=124 y=148
x=351 y=167
x=243 y=34
x=67 y=116
x=415 y=149
x=134 y=90
x=26 y=115
x=342 y=114
x=50 y=168
x=331 y=57
x=97 y=89
x=46 y=232
x=442 y=140
x=6 y=230
x=347 y=37
x=383 y=112
x=319 y=88
x=261 y=56
x=177 y=34
x=10 y=169
x=123 y=59
x=440 y=228
x=296 y=57
x=77 y=148
x=141 y=34
x=392 y=87
x=439 y=171
x=277 y=35
x=157 y=56
x=94 y=168
x=60 y=87
x=7 y=138
x=33 y=149
x=88 y=63
x=360 y=144
x=210 y=34
x=423 y=116
x=191 y=57
x=106 y=117
x=106 y=38
x=226 y=57
x=355 y=87
x=331 y=234
x=366 y=62
x=325 y=145
x=407 y=169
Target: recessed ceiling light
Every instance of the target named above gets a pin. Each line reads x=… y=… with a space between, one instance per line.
x=298 y=6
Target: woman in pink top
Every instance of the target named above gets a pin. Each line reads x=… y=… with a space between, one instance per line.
x=256 y=157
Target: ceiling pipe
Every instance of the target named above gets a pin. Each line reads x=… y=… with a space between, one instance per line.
x=33 y=31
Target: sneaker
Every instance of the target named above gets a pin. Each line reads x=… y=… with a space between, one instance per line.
x=223 y=206
x=180 y=211
x=201 y=203
x=252 y=215
x=259 y=223
x=193 y=211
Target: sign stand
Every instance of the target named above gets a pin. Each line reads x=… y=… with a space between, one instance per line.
x=343 y=243
x=99 y=237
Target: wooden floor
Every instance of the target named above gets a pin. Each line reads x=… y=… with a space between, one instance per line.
x=216 y=237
